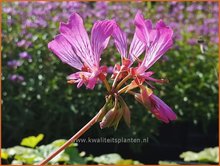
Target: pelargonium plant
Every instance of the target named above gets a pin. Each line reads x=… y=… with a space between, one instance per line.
x=133 y=76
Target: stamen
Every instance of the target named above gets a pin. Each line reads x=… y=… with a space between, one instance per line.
x=71 y=81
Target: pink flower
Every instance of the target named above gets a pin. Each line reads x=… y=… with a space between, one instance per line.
x=155 y=41
x=158 y=40
x=160 y=109
x=137 y=47
x=73 y=47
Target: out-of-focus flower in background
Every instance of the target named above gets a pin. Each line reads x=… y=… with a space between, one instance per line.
x=16 y=78
x=24 y=55
x=14 y=64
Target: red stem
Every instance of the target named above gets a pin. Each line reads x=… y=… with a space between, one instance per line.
x=72 y=139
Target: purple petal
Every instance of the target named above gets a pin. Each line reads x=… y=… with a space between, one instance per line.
x=160 y=115
x=76 y=34
x=143 y=28
x=136 y=49
x=158 y=40
x=159 y=47
x=161 y=110
x=78 y=75
x=91 y=83
x=148 y=74
x=86 y=78
x=154 y=36
x=63 y=49
x=160 y=24
x=100 y=35
x=120 y=41
x=80 y=83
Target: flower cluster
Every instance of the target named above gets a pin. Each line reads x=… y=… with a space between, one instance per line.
x=74 y=47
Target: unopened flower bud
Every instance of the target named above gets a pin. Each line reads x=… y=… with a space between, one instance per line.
x=108 y=119
x=126 y=113
x=118 y=117
x=143 y=96
x=108 y=105
x=112 y=117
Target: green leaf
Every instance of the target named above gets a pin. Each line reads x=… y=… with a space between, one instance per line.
x=63 y=157
x=74 y=156
x=16 y=162
x=167 y=163
x=207 y=155
x=32 y=141
x=4 y=154
x=60 y=142
x=22 y=154
x=19 y=150
x=111 y=158
x=26 y=158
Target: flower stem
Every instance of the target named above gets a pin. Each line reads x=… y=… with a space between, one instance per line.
x=72 y=139
x=123 y=81
x=106 y=85
x=131 y=92
x=122 y=90
x=115 y=80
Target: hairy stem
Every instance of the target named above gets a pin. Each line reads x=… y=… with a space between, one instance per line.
x=72 y=139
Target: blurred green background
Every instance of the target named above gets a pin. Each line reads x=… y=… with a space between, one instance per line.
x=37 y=99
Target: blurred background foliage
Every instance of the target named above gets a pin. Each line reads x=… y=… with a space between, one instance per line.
x=37 y=98
x=29 y=153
